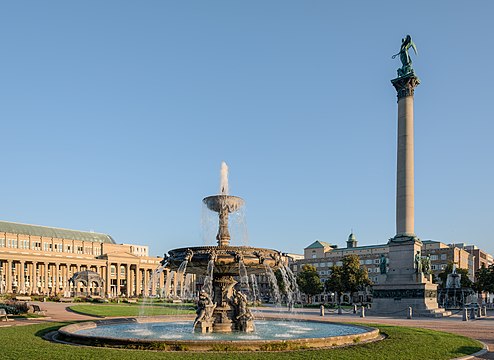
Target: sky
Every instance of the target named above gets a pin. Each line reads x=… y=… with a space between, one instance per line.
x=116 y=115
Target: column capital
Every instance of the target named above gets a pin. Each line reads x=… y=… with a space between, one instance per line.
x=405 y=85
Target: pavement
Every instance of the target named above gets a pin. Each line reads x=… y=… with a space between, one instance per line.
x=481 y=329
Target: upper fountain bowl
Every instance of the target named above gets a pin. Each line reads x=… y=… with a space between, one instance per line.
x=219 y=202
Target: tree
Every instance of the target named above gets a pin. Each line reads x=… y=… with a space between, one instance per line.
x=465 y=281
x=309 y=282
x=349 y=277
x=484 y=280
x=335 y=282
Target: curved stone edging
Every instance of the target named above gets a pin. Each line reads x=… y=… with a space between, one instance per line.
x=485 y=350
x=67 y=334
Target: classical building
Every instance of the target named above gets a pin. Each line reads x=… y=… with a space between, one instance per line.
x=41 y=260
x=323 y=256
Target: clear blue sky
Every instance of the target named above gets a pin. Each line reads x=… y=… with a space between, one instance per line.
x=116 y=115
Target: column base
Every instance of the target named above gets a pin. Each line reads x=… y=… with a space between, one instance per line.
x=405 y=238
x=395 y=299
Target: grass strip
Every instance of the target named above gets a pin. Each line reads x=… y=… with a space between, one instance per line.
x=402 y=343
x=108 y=310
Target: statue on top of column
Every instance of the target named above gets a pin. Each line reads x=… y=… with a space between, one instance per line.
x=406 y=61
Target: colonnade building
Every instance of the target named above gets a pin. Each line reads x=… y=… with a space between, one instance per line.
x=40 y=260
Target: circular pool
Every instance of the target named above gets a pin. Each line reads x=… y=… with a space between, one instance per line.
x=171 y=334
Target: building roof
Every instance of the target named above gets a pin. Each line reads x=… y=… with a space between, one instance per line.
x=318 y=244
x=430 y=242
x=364 y=247
x=45 y=231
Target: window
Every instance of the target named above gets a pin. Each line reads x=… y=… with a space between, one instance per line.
x=2 y=242
x=377 y=261
x=368 y=261
x=316 y=265
x=330 y=264
x=339 y=263
x=434 y=257
x=68 y=248
x=434 y=267
x=122 y=270
x=12 y=243
x=314 y=256
x=444 y=256
x=79 y=249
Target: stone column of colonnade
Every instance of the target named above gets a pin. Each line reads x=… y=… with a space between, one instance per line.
x=145 y=282
x=45 y=274
x=8 y=276
x=21 y=278
x=162 y=281
x=56 y=279
x=137 y=273
x=108 y=279
x=128 y=282
x=33 y=281
x=117 y=292
x=153 y=281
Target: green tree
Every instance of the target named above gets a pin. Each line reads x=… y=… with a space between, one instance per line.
x=465 y=281
x=309 y=282
x=484 y=280
x=335 y=282
x=349 y=277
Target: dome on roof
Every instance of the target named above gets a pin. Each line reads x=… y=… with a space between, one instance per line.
x=352 y=237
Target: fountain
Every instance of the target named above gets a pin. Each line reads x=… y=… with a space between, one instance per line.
x=223 y=319
x=225 y=308
x=453 y=295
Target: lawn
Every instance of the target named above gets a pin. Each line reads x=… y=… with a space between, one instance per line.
x=25 y=342
x=105 y=310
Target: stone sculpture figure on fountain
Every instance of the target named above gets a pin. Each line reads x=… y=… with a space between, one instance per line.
x=243 y=315
x=205 y=310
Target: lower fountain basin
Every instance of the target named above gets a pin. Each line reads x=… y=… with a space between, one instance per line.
x=157 y=333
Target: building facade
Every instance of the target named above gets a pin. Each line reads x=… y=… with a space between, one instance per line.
x=323 y=256
x=40 y=260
